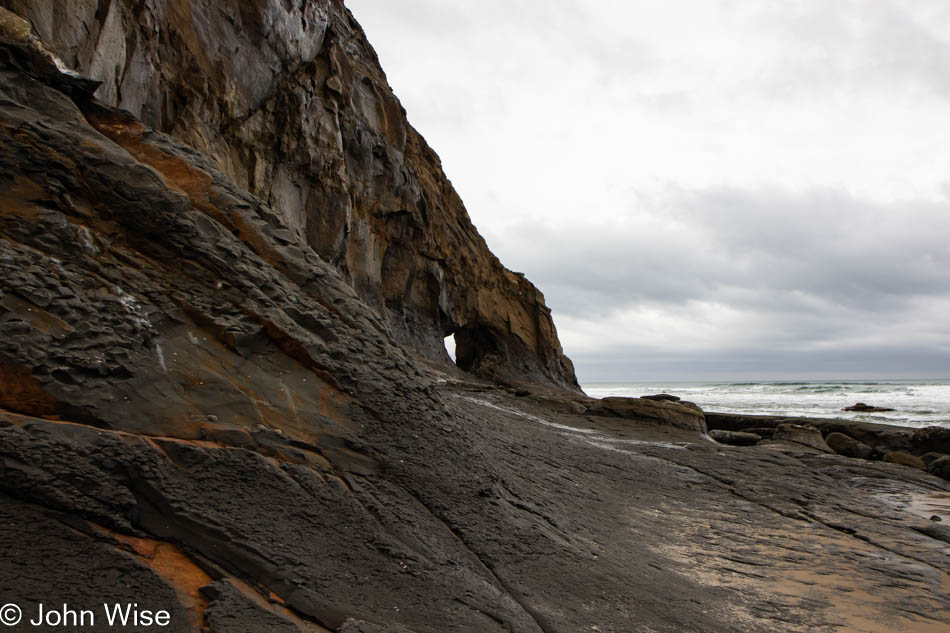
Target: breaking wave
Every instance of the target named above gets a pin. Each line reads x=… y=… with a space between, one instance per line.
x=915 y=403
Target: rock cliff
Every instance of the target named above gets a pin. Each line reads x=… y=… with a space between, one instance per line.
x=223 y=393
x=288 y=101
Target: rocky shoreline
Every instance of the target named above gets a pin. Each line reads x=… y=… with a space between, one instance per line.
x=926 y=448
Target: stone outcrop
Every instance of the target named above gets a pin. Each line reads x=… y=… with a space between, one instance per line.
x=848 y=446
x=860 y=407
x=662 y=397
x=940 y=467
x=804 y=434
x=190 y=395
x=676 y=414
x=289 y=102
x=905 y=459
x=846 y=437
x=735 y=438
x=882 y=438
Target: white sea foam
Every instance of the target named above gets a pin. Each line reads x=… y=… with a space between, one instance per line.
x=916 y=403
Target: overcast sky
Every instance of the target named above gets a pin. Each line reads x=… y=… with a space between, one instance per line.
x=703 y=189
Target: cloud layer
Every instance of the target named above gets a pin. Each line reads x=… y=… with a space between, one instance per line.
x=702 y=188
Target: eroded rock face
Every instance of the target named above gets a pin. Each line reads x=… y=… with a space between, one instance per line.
x=181 y=378
x=677 y=414
x=290 y=102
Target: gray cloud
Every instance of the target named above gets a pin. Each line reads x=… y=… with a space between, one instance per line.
x=648 y=364
x=819 y=272
x=852 y=45
x=712 y=243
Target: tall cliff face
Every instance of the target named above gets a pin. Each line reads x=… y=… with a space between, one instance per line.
x=197 y=405
x=289 y=100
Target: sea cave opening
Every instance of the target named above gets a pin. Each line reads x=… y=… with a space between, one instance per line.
x=470 y=345
x=450 y=346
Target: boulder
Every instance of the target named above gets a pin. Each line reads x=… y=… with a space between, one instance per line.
x=860 y=407
x=679 y=415
x=940 y=467
x=662 y=396
x=938 y=532
x=931 y=439
x=848 y=446
x=803 y=434
x=882 y=437
x=735 y=438
x=905 y=459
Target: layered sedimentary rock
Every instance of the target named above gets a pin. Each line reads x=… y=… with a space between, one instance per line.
x=288 y=101
x=204 y=409
x=198 y=405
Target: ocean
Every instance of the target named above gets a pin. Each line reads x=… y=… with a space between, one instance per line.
x=916 y=403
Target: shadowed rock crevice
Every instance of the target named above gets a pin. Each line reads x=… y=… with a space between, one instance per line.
x=476 y=349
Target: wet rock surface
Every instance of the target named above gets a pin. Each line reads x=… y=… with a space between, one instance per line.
x=678 y=414
x=735 y=438
x=804 y=434
x=906 y=459
x=848 y=446
x=860 y=407
x=882 y=438
x=940 y=467
x=202 y=410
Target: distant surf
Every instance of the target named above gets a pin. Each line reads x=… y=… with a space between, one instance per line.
x=916 y=403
